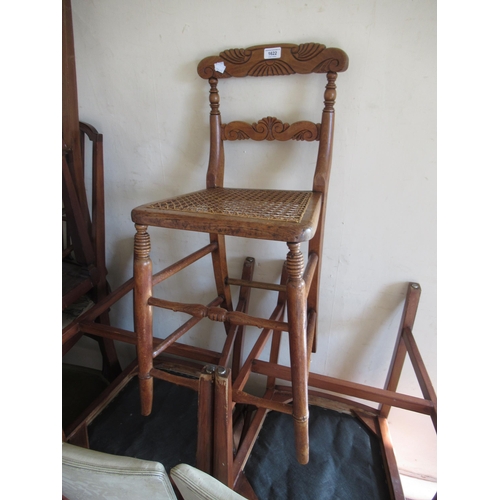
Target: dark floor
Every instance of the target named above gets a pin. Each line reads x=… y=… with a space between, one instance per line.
x=168 y=435
x=345 y=459
x=80 y=386
x=345 y=462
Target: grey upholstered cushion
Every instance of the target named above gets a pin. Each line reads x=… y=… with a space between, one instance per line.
x=196 y=485
x=88 y=474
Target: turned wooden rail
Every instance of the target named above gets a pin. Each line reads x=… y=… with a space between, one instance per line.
x=218 y=314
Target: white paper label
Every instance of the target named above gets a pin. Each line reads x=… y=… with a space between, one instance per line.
x=274 y=53
x=220 y=67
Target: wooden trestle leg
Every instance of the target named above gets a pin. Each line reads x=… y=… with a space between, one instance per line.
x=143 y=316
x=205 y=445
x=223 y=427
x=243 y=303
x=297 y=321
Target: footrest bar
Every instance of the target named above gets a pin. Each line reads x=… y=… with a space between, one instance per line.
x=256 y=284
x=219 y=314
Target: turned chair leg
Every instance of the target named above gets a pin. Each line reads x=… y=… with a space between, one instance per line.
x=297 y=321
x=143 y=316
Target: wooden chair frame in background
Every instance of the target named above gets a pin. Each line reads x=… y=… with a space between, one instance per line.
x=232 y=447
x=83 y=251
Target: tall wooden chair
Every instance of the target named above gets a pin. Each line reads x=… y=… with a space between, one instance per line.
x=292 y=217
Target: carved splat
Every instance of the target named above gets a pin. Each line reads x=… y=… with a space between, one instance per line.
x=271 y=129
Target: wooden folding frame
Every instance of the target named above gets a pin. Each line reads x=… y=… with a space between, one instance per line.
x=323 y=391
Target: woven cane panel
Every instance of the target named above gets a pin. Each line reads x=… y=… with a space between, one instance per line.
x=250 y=203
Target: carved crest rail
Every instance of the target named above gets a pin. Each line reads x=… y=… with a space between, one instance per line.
x=289 y=59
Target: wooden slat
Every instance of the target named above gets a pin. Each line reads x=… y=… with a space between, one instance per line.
x=276 y=340
x=390 y=461
x=257 y=284
x=258 y=347
x=370 y=422
x=238 y=331
x=243 y=487
x=91 y=412
x=407 y=320
x=421 y=372
x=174 y=364
x=204 y=448
x=316 y=398
x=109 y=332
x=95 y=311
x=249 y=439
x=311 y=329
x=312 y=264
x=223 y=427
x=183 y=263
x=269 y=404
x=419 y=367
x=353 y=389
x=197 y=353
x=177 y=334
x=174 y=379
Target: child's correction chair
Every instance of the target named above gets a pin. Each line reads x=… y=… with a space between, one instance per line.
x=292 y=217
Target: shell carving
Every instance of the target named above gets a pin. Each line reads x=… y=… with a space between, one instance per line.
x=306 y=51
x=236 y=56
x=326 y=66
x=270 y=127
x=273 y=67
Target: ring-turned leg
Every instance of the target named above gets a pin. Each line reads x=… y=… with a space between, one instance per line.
x=297 y=321
x=143 y=315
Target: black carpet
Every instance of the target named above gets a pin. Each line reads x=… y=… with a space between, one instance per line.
x=345 y=458
x=345 y=461
x=80 y=386
x=167 y=436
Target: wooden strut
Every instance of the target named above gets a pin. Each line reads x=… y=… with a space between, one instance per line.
x=204 y=447
x=238 y=331
x=389 y=457
x=223 y=427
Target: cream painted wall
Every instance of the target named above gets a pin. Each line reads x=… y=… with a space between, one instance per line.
x=136 y=65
